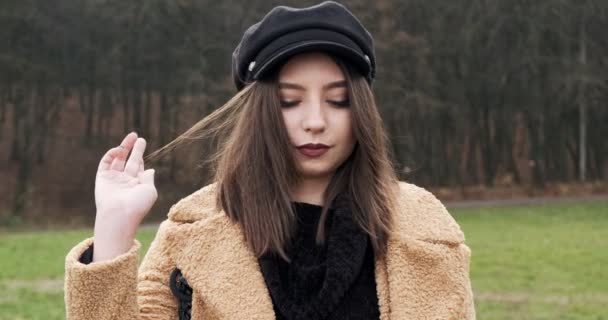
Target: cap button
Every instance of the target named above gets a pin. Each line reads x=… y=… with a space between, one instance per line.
x=251 y=65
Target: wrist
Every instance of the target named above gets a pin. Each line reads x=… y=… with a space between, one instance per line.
x=111 y=242
x=109 y=247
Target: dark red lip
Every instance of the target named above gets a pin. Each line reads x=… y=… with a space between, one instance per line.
x=313 y=149
x=314 y=146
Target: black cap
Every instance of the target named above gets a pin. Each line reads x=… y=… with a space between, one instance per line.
x=286 y=31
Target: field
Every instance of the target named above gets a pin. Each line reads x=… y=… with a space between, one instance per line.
x=542 y=262
x=546 y=262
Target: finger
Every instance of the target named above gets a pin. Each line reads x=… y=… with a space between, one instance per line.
x=118 y=163
x=147 y=177
x=129 y=141
x=136 y=158
x=141 y=168
x=119 y=152
x=126 y=145
x=108 y=158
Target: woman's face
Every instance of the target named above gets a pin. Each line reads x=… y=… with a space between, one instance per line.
x=316 y=110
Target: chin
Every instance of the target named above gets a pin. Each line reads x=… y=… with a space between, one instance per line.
x=315 y=172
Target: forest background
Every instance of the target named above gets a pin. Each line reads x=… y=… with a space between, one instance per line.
x=476 y=95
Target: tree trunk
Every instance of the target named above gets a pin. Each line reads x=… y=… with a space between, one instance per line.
x=582 y=107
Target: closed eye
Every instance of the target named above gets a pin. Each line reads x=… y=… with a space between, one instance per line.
x=287 y=104
x=343 y=103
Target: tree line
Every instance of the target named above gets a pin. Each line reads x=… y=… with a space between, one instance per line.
x=473 y=92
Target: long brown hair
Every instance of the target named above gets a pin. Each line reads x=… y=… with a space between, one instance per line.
x=255 y=167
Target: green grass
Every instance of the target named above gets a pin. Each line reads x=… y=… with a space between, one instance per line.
x=32 y=268
x=527 y=263
x=548 y=262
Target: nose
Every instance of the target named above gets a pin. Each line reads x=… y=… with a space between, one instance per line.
x=314 y=119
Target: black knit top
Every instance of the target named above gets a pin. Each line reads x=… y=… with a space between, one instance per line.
x=333 y=281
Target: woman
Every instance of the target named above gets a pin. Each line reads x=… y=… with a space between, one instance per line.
x=305 y=218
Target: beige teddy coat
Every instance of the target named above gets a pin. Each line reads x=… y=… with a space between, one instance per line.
x=425 y=274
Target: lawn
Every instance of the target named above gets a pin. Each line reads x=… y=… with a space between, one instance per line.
x=547 y=262
x=541 y=262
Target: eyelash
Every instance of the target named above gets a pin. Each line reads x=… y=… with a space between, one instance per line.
x=287 y=104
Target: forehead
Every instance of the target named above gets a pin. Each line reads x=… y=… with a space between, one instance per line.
x=310 y=68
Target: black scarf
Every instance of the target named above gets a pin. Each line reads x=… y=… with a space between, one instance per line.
x=333 y=281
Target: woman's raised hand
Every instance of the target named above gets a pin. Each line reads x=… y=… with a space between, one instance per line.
x=124 y=194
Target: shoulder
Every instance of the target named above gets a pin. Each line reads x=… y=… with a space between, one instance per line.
x=196 y=206
x=419 y=214
x=422 y=216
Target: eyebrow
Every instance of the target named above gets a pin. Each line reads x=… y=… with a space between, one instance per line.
x=331 y=85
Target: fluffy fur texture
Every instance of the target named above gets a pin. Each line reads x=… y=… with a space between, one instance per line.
x=425 y=274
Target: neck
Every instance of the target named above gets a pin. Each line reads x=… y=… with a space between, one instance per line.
x=310 y=190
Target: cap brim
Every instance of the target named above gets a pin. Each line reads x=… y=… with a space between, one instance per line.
x=283 y=48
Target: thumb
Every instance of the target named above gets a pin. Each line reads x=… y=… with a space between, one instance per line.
x=147 y=177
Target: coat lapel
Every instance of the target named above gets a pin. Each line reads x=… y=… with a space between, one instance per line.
x=222 y=271
x=382 y=289
x=426 y=271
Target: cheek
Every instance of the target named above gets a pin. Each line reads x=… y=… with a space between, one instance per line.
x=345 y=128
x=290 y=123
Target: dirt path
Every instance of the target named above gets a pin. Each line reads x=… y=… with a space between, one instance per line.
x=524 y=201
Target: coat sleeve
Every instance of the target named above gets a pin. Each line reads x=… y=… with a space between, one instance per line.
x=118 y=289
x=469 y=303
